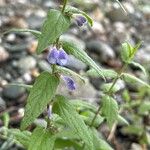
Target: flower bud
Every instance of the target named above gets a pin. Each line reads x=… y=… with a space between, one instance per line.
x=70 y=83
x=80 y=20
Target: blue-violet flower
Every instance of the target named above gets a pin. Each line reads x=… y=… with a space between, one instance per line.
x=70 y=83
x=62 y=58
x=80 y=20
x=53 y=56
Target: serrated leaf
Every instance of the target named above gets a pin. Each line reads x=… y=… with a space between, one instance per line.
x=40 y=95
x=67 y=112
x=132 y=79
x=139 y=66
x=109 y=109
x=23 y=137
x=99 y=143
x=42 y=139
x=74 y=10
x=34 y=32
x=108 y=73
x=69 y=72
x=55 y=24
x=75 y=50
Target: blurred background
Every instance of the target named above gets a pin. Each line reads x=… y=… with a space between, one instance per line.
x=19 y=62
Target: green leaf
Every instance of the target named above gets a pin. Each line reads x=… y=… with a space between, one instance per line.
x=108 y=73
x=69 y=72
x=23 y=137
x=54 y=26
x=28 y=87
x=128 y=51
x=144 y=108
x=83 y=105
x=106 y=86
x=66 y=143
x=42 y=139
x=40 y=95
x=122 y=120
x=99 y=143
x=34 y=32
x=73 y=10
x=88 y=118
x=132 y=129
x=109 y=109
x=132 y=79
x=75 y=50
x=67 y=112
x=139 y=66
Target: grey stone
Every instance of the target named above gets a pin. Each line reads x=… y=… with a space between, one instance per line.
x=13 y=92
x=104 y=50
x=27 y=63
x=117 y=14
x=4 y=55
x=44 y=65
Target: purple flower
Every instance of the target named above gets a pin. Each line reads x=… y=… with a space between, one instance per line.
x=70 y=83
x=59 y=57
x=53 y=56
x=62 y=58
x=80 y=20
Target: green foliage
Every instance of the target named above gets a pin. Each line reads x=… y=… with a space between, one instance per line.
x=55 y=24
x=139 y=66
x=73 y=10
x=128 y=52
x=67 y=71
x=109 y=109
x=144 y=108
x=34 y=32
x=40 y=95
x=67 y=112
x=75 y=50
x=23 y=137
x=132 y=79
x=108 y=73
x=99 y=143
x=42 y=139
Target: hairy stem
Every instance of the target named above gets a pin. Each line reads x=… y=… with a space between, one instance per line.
x=109 y=92
x=64 y=6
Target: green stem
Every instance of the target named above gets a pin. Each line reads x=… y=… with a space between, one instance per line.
x=64 y=6
x=109 y=92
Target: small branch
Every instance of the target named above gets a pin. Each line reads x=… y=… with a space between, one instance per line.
x=109 y=92
x=64 y=6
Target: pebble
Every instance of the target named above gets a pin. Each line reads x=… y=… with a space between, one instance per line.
x=4 y=55
x=44 y=65
x=117 y=14
x=104 y=50
x=27 y=63
x=13 y=92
